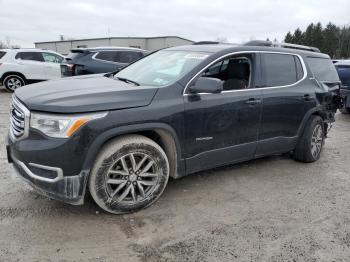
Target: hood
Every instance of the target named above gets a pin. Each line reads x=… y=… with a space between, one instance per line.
x=84 y=94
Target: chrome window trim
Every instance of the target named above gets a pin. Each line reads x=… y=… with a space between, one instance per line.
x=248 y=52
x=26 y=120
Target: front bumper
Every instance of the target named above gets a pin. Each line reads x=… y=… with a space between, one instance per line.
x=50 y=181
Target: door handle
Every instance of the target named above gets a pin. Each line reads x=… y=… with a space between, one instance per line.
x=253 y=101
x=307 y=97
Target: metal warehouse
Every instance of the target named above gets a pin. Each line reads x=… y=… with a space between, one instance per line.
x=147 y=43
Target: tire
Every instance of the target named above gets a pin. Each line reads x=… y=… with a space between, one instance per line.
x=310 y=144
x=12 y=82
x=129 y=174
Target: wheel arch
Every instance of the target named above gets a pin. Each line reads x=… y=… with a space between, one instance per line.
x=312 y=112
x=6 y=74
x=163 y=134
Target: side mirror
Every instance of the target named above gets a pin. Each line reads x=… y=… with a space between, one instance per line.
x=206 y=85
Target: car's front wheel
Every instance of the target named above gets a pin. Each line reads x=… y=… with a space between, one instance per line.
x=130 y=173
x=311 y=142
x=12 y=82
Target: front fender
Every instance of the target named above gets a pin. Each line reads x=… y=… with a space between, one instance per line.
x=98 y=143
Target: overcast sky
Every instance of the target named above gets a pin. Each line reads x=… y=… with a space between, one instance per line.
x=24 y=22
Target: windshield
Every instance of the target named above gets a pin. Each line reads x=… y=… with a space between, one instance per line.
x=162 y=68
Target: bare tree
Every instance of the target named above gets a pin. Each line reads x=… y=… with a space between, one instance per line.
x=222 y=40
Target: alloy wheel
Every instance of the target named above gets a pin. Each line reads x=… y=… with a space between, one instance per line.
x=131 y=178
x=316 y=140
x=13 y=83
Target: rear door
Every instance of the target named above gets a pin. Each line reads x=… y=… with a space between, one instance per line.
x=52 y=65
x=31 y=64
x=288 y=95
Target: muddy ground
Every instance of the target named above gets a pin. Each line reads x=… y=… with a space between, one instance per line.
x=271 y=209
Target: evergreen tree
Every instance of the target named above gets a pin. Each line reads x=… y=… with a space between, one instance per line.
x=332 y=39
x=289 y=38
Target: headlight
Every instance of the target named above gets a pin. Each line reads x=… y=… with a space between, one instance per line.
x=61 y=125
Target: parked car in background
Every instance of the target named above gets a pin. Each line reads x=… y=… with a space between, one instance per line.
x=175 y=112
x=19 y=67
x=84 y=61
x=343 y=69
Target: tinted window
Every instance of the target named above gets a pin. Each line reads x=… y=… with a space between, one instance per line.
x=344 y=74
x=323 y=69
x=52 y=58
x=33 y=56
x=75 y=54
x=234 y=72
x=2 y=54
x=106 y=55
x=127 y=57
x=280 y=69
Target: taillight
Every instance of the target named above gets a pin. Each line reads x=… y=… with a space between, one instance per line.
x=70 y=67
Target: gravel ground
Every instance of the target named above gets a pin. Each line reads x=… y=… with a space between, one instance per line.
x=271 y=209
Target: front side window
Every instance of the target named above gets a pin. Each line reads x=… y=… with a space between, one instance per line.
x=52 y=58
x=163 y=67
x=235 y=72
x=323 y=69
x=2 y=54
x=31 y=56
x=281 y=69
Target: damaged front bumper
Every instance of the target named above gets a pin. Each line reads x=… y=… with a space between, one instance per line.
x=50 y=181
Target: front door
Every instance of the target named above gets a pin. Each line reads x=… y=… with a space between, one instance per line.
x=223 y=128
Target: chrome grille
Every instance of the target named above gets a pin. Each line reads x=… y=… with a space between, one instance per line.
x=19 y=117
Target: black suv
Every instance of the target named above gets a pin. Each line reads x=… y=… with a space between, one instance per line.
x=343 y=68
x=172 y=113
x=84 y=61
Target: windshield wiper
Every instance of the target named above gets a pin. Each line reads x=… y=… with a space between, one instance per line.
x=128 y=81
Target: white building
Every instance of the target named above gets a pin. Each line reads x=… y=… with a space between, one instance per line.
x=147 y=43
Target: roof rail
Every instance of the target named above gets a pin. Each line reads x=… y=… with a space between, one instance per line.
x=258 y=43
x=282 y=45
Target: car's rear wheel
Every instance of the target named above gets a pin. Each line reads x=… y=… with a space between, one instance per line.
x=311 y=142
x=129 y=174
x=12 y=82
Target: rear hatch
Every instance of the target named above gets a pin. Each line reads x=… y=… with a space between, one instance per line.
x=69 y=64
x=328 y=80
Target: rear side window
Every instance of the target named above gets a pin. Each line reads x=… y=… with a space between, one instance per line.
x=281 y=69
x=2 y=53
x=75 y=54
x=344 y=74
x=323 y=69
x=32 y=56
x=52 y=58
x=106 y=56
x=127 y=57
